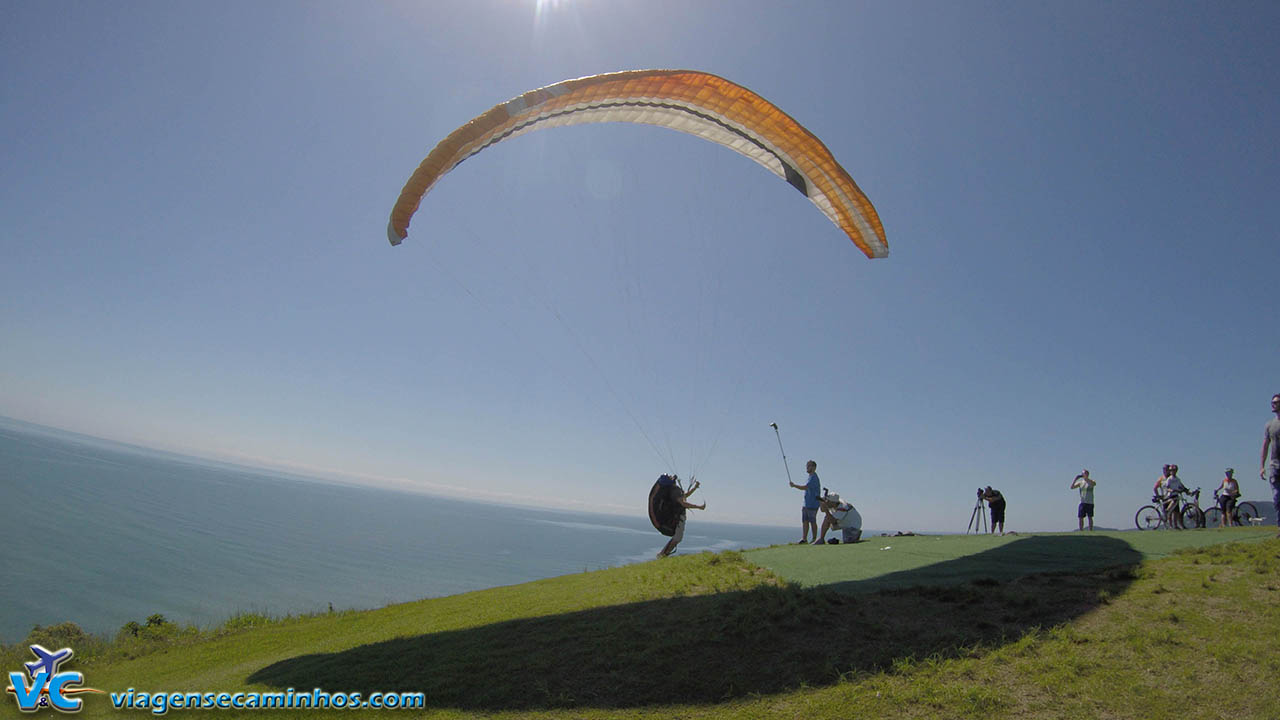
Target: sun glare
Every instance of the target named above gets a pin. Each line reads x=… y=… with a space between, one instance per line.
x=542 y=10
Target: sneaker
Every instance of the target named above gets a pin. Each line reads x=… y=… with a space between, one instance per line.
x=823 y=541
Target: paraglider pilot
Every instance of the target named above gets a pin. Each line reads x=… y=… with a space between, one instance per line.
x=678 y=501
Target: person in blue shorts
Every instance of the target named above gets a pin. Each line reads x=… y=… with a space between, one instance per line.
x=809 y=512
x=1084 y=484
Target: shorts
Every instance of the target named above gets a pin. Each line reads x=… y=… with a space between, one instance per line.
x=997 y=513
x=1085 y=511
x=809 y=515
x=851 y=535
x=1227 y=503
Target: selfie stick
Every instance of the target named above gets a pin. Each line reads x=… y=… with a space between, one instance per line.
x=784 y=452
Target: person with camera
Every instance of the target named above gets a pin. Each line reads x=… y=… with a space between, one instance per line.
x=995 y=501
x=1084 y=484
x=839 y=515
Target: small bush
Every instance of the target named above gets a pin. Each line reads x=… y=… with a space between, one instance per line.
x=55 y=637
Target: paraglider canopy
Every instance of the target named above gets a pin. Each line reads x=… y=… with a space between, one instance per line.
x=688 y=101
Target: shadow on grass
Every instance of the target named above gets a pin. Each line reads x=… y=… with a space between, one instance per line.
x=706 y=649
x=1026 y=556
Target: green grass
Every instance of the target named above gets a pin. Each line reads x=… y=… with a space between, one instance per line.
x=1038 y=626
x=906 y=561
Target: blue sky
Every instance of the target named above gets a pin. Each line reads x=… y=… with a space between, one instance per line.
x=1078 y=199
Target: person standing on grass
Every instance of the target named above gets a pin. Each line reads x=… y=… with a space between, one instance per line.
x=1157 y=490
x=1270 y=470
x=995 y=501
x=1227 y=494
x=809 y=511
x=1084 y=484
x=1173 y=490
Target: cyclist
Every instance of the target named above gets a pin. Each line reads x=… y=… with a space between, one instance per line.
x=1157 y=490
x=1173 y=489
x=1227 y=493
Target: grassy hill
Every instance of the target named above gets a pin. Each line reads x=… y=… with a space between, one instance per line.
x=1043 y=626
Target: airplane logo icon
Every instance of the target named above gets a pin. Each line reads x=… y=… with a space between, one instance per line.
x=49 y=661
x=49 y=685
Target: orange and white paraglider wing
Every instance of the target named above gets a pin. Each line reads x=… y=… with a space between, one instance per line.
x=696 y=103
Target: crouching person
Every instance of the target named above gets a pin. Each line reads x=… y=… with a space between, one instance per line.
x=839 y=515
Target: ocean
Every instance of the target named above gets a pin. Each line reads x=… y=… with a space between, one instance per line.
x=100 y=533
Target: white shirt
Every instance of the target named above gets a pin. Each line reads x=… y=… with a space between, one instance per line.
x=845 y=516
x=1230 y=486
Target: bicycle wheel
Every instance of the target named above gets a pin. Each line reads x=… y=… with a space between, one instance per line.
x=1245 y=512
x=1212 y=517
x=1191 y=517
x=1148 y=518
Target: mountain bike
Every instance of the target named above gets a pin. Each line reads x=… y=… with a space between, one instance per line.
x=1152 y=517
x=1244 y=512
x=1192 y=514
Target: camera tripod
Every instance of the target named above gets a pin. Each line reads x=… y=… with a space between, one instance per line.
x=978 y=520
